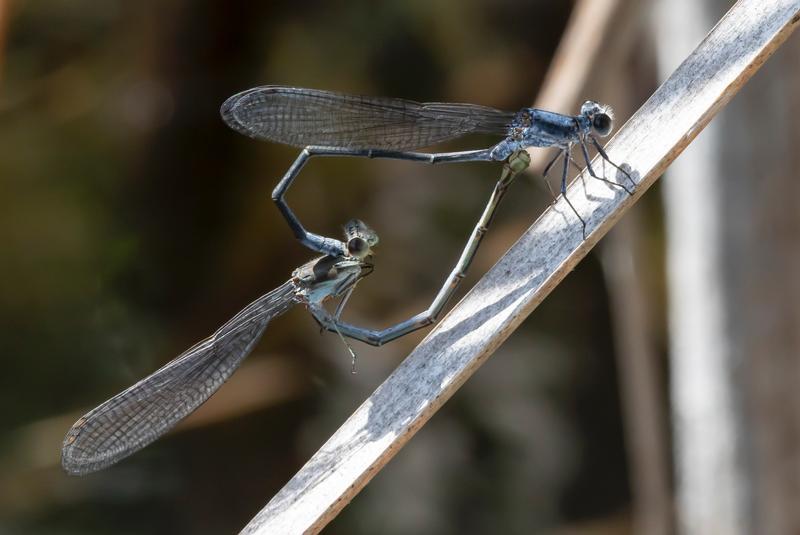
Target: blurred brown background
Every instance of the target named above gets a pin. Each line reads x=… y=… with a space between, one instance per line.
x=133 y=223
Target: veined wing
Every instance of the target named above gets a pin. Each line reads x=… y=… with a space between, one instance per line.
x=136 y=417
x=303 y=117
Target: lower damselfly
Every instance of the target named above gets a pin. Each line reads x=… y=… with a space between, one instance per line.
x=139 y=415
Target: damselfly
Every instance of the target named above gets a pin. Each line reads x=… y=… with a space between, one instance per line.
x=326 y=123
x=139 y=415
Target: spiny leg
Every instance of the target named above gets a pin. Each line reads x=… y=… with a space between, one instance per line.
x=595 y=175
x=340 y=307
x=330 y=246
x=517 y=163
x=337 y=314
x=564 y=171
x=604 y=155
x=327 y=322
x=547 y=170
x=553 y=161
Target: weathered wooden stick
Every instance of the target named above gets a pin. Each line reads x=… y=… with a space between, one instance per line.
x=544 y=255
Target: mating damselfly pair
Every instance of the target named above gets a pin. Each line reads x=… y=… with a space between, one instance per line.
x=326 y=123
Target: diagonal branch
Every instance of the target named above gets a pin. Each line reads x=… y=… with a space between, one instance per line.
x=543 y=256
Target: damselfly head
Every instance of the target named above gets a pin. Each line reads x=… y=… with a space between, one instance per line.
x=600 y=116
x=360 y=239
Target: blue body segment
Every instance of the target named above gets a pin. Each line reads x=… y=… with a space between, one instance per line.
x=549 y=129
x=533 y=127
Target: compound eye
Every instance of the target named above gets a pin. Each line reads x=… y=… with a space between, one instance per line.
x=602 y=124
x=358 y=247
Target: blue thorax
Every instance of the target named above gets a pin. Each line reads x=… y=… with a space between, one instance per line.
x=532 y=127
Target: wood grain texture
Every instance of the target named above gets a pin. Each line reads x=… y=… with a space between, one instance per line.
x=543 y=256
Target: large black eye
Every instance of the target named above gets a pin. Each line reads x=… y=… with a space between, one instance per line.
x=602 y=124
x=357 y=247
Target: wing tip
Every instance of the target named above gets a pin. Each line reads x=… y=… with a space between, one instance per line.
x=76 y=462
x=228 y=109
x=228 y=112
x=75 y=459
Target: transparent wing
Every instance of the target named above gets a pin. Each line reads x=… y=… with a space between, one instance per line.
x=136 y=417
x=302 y=117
